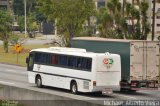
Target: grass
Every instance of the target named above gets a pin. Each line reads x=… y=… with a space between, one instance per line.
x=11 y=57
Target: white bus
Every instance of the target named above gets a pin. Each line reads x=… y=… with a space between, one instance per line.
x=74 y=69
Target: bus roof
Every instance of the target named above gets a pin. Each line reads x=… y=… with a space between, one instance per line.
x=68 y=51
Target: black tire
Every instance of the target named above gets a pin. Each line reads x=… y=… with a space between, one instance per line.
x=123 y=90
x=74 y=88
x=39 y=82
x=99 y=93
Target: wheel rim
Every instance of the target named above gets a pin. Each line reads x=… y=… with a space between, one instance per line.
x=74 y=88
x=38 y=82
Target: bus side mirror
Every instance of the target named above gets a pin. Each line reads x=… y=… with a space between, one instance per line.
x=27 y=60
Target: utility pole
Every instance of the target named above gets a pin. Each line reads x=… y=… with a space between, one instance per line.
x=25 y=18
x=153 y=19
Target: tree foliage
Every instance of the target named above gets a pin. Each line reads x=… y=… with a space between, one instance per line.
x=145 y=26
x=127 y=22
x=20 y=22
x=5 y=27
x=70 y=14
x=18 y=8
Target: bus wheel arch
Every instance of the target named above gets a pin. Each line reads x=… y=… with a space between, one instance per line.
x=74 y=87
x=38 y=81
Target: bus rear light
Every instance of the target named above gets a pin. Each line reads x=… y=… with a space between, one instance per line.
x=94 y=83
x=133 y=84
x=120 y=83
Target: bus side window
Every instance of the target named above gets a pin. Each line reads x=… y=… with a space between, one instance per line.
x=54 y=59
x=89 y=64
x=79 y=63
x=63 y=60
x=84 y=64
x=42 y=58
x=37 y=57
x=72 y=62
x=47 y=59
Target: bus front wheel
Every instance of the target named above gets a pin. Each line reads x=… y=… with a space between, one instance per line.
x=39 y=82
x=74 y=89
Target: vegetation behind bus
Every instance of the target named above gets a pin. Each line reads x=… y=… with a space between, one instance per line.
x=5 y=28
x=11 y=57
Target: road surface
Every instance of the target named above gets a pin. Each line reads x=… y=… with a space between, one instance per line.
x=39 y=40
x=17 y=76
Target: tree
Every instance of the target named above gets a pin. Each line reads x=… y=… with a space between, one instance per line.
x=145 y=25
x=5 y=27
x=138 y=18
x=21 y=23
x=135 y=22
x=111 y=20
x=70 y=14
x=127 y=21
x=105 y=22
x=31 y=23
x=123 y=6
x=39 y=19
x=18 y=8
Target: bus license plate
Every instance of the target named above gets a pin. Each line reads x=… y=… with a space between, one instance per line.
x=107 y=91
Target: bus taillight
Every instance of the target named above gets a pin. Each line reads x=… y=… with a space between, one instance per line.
x=94 y=83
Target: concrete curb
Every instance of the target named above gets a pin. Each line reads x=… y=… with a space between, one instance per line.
x=50 y=99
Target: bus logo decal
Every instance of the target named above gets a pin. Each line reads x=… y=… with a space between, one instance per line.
x=108 y=61
x=105 y=61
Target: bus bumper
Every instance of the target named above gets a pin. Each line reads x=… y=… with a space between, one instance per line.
x=104 y=88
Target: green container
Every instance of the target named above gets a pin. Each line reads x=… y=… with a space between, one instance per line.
x=123 y=48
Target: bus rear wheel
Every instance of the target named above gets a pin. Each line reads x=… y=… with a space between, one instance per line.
x=74 y=89
x=123 y=90
x=39 y=82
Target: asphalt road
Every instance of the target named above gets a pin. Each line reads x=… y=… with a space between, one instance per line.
x=17 y=76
